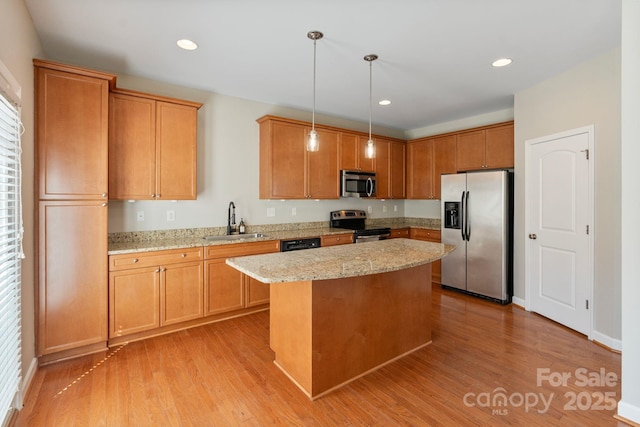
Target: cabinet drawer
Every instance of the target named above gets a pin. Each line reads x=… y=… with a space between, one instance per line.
x=425 y=234
x=336 y=239
x=241 y=249
x=399 y=233
x=154 y=258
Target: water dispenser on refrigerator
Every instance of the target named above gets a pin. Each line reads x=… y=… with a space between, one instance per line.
x=452 y=215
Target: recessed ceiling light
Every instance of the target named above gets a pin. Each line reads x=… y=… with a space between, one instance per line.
x=501 y=62
x=187 y=44
x=384 y=102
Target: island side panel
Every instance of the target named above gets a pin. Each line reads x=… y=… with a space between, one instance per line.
x=360 y=323
x=290 y=330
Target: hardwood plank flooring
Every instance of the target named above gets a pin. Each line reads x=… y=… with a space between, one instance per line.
x=223 y=374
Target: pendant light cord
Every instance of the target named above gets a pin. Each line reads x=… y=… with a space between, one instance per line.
x=370 y=97
x=313 y=112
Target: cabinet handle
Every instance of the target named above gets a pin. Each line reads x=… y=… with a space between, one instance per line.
x=183 y=255
x=163 y=269
x=135 y=260
x=158 y=270
x=153 y=196
x=157 y=196
x=104 y=194
x=104 y=205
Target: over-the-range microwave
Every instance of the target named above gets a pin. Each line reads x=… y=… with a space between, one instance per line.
x=357 y=184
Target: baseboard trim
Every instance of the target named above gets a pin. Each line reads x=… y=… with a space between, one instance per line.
x=607 y=342
x=628 y=413
x=517 y=301
x=27 y=379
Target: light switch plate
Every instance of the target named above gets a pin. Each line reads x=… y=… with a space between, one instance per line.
x=271 y=211
x=171 y=215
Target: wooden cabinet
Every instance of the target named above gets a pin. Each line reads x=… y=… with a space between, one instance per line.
x=153 y=289
x=336 y=239
x=227 y=289
x=390 y=169
x=71 y=134
x=152 y=147
x=427 y=160
x=486 y=148
x=429 y=236
x=288 y=170
x=352 y=149
x=399 y=233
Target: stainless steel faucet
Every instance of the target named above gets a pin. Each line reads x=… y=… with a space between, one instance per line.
x=231 y=218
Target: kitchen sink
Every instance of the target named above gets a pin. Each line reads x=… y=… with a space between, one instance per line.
x=234 y=237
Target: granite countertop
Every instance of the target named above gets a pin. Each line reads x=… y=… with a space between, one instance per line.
x=132 y=242
x=337 y=262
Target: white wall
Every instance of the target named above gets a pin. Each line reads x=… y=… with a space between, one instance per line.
x=629 y=405
x=228 y=169
x=587 y=94
x=19 y=44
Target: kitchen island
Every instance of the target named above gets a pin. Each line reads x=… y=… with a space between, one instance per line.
x=340 y=312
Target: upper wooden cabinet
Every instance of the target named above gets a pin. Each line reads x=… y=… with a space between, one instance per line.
x=288 y=170
x=72 y=113
x=390 y=169
x=152 y=147
x=427 y=160
x=352 y=149
x=490 y=147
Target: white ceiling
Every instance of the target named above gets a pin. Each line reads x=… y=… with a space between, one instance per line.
x=434 y=55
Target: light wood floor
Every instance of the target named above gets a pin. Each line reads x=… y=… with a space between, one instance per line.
x=222 y=374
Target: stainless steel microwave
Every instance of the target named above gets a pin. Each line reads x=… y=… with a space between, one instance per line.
x=357 y=184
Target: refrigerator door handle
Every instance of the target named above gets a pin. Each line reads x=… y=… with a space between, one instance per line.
x=462 y=220
x=467 y=225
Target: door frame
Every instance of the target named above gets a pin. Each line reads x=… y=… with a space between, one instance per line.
x=590 y=131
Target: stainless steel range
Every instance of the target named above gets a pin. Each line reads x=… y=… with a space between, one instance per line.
x=355 y=220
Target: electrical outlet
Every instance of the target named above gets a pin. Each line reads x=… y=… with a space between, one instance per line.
x=140 y=216
x=369 y=209
x=171 y=215
x=395 y=208
x=384 y=208
x=294 y=212
x=271 y=211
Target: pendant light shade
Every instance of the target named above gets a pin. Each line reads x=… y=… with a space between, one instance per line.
x=370 y=149
x=313 y=141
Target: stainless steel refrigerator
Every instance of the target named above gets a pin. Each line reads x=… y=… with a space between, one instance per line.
x=477 y=217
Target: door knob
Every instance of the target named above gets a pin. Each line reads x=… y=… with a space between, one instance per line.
x=533 y=236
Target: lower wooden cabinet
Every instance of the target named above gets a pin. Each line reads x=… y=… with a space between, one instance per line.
x=429 y=236
x=399 y=233
x=336 y=239
x=227 y=289
x=153 y=289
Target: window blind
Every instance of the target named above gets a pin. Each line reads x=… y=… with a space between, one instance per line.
x=10 y=255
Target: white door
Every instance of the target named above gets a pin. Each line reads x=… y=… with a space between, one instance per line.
x=559 y=227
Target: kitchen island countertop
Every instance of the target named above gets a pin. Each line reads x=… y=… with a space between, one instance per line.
x=337 y=262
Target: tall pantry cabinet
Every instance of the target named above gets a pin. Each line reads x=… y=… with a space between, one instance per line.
x=71 y=167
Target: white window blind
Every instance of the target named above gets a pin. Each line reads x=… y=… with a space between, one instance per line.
x=10 y=254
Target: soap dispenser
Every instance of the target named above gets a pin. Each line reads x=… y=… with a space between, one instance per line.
x=241 y=228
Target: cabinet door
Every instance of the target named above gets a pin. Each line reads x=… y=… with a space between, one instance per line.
x=134 y=301
x=72 y=269
x=176 y=151
x=444 y=160
x=72 y=119
x=399 y=233
x=132 y=148
x=257 y=292
x=336 y=239
x=181 y=292
x=470 y=148
x=499 y=147
x=282 y=160
x=224 y=289
x=397 y=154
x=383 y=168
x=430 y=236
x=419 y=169
x=348 y=151
x=323 y=175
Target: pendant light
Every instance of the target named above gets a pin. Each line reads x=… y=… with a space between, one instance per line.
x=370 y=149
x=313 y=142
